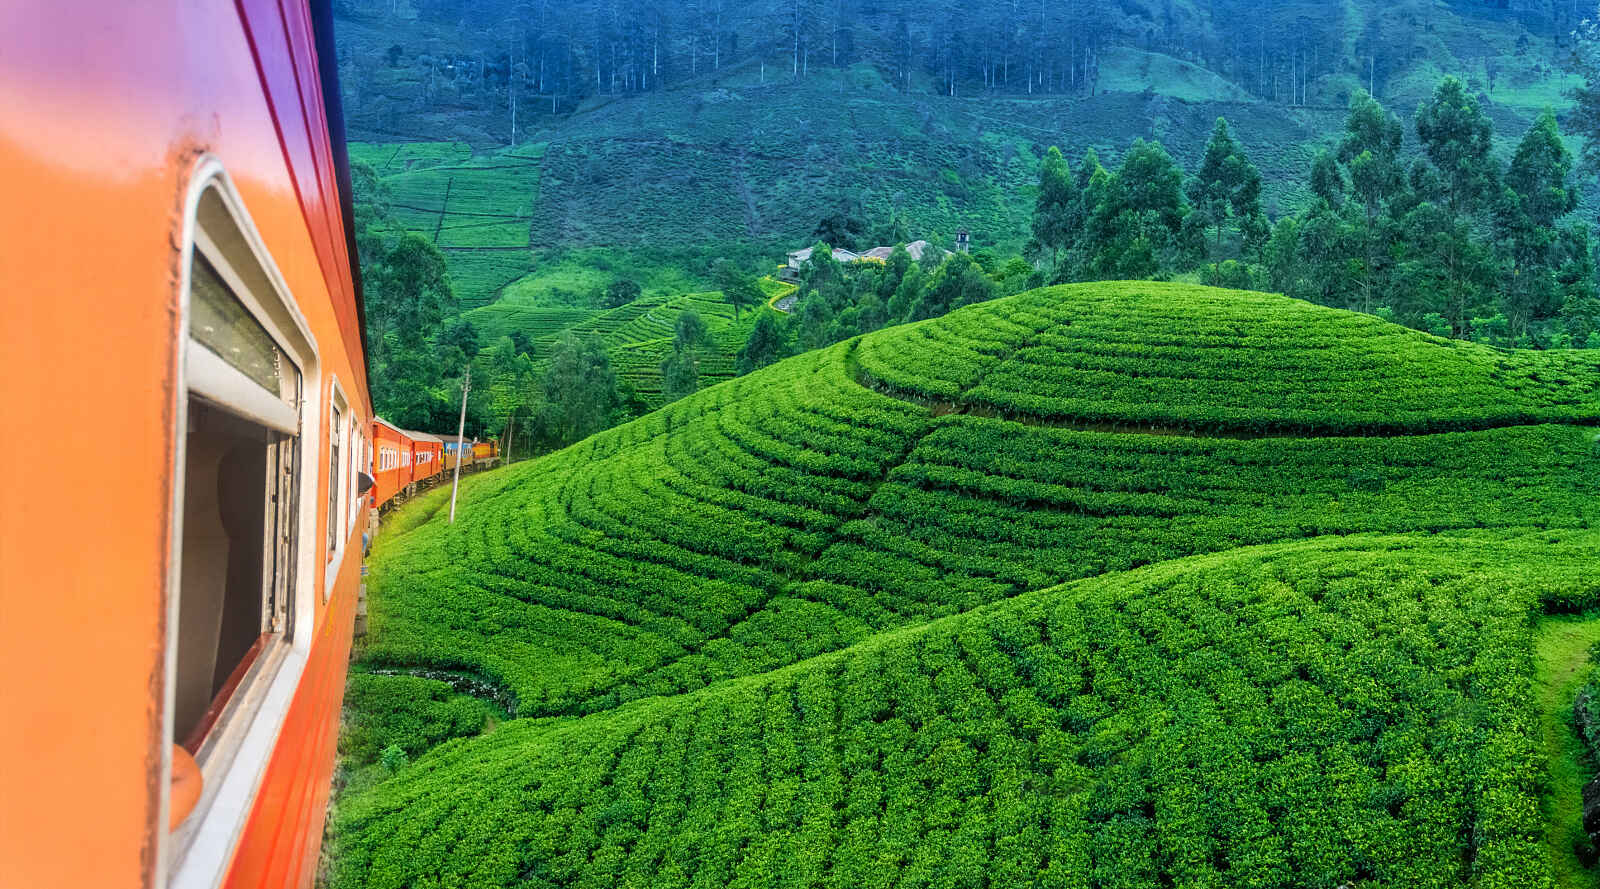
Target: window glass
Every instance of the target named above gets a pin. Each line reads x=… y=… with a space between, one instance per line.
x=333 y=483
x=218 y=321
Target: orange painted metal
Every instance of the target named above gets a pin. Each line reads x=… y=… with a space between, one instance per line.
x=386 y=439
x=279 y=848
x=104 y=109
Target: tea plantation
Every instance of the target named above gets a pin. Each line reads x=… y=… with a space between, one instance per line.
x=638 y=335
x=1107 y=585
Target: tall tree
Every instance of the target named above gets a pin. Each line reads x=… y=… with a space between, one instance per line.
x=959 y=281
x=1057 y=212
x=413 y=294
x=738 y=288
x=1370 y=151
x=1327 y=179
x=580 y=390
x=1456 y=134
x=1226 y=190
x=1535 y=197
x=767 y=343
x=1585 y=117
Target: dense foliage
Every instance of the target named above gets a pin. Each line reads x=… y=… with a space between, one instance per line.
x=807 y=626
x=1198 y=358
x=1339 y=712
x=537 y=58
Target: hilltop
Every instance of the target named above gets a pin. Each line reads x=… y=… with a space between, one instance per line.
x=1059 y=588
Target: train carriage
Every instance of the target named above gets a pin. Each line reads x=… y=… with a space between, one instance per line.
x=426 y=451
x=178 y=261
x=389 y=443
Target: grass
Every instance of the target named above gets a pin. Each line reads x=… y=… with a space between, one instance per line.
x=1563 y=645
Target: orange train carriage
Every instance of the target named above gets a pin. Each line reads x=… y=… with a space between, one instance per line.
x=177 y=617
x=177 y=612
x=406 y=462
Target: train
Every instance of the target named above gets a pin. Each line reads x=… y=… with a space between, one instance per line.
x=184 y=323
x=406 y=462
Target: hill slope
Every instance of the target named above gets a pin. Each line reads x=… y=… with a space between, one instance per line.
x=980 y=721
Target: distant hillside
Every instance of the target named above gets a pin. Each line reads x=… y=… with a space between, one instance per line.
x=638 y=336
x=1039 y=592
x=432 y=69
x=750 y=156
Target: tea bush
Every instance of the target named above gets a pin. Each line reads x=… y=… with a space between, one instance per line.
x=809 y=626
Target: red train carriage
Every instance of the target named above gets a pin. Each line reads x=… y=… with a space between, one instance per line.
x=177 y=606
x=426 y=453
x=388 y=444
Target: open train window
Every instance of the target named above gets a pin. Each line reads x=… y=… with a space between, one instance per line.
x=240 y=469
x=240 y=504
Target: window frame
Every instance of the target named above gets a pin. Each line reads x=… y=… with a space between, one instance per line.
x=234 y=755
x=337 y=542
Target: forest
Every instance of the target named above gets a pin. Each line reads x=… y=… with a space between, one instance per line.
x=548 y=56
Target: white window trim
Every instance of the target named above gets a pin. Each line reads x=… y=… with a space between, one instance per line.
x=341 y=536
x=196 y=856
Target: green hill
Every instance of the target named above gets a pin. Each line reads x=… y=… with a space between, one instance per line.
x=953 y=604
x=638 y=335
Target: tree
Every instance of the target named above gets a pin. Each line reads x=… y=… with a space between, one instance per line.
x=1455 y=134
x=580 y=390
x=1057 y=212
x=841 y=229
x=680 y=375
x=1535 y=197
x=1579 y=318
x=1444 y=268
x=459 y=334
x=1135 y=218
x=521 y=342
x=1370 y=152
x=1585 y=115
x=413 y=294
x=822 y=271
x=621 y=292
x=959 y=281
x=738 y=288
x=1327 y=179
x=689 y=332
x=1226 y=190
x=814 y=320
x=1370 y=129
x=766 y=344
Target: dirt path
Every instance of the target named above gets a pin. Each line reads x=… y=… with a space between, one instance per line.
x=1561 y=648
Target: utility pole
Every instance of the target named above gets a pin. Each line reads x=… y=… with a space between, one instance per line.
x=461 y=431
x=511 y=427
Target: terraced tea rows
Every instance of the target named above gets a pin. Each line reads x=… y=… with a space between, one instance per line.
x=639 y=334
x=1313 y=714
x=1201 y=359
x=837 y=581
x=581 y=565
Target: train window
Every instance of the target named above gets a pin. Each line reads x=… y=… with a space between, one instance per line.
x=338 y=447
x=239 y=504
x=333 y=483
x=240 y=455
x=358 y=447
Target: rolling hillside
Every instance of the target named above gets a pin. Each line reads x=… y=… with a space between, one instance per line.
x=1061 y=589
x=638 y=336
